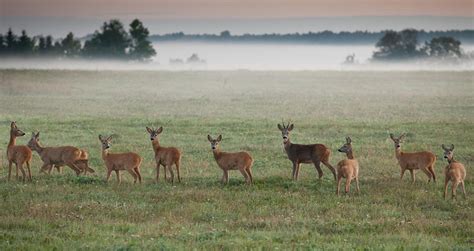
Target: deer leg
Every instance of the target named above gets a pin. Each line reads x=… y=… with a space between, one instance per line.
x=226 y=177
x=333 y=171
x=119 y=180
x=109 y=172
x=294 y=170
x=357 y=184
x=348 y=184
x=339 y=179
x=249 y=172
x=20 y=166
x=453 y=188
x=29 y=170
x=164 y=170
x=177 y=170
x=134 y=175
x=170 y=168
x=16 y=166
x=317 y=165
x=402 y=172
x=427 y=172
x=446 y=181
x=10 y=163
x=431 y=169
x=157 y=172
x=74 y=167
x=463 y=189
x=297 y=173
x=412 y=176
x=137 y=171
x=246 y=176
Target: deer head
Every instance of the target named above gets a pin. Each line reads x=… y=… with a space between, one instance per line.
x=214 y=142
x=397 y=141
x=34 y=141
x=285 y=131
x=14 y=131
x=105 y=142
x=347 y=147
x=448 y=152
x=154 y=132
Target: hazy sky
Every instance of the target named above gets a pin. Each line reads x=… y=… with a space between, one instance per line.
x=239 y=16
x=235 y=8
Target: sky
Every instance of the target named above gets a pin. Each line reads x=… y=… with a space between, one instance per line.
x=239 y=16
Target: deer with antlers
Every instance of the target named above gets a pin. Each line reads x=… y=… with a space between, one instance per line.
x=307 y=154
x=241 y=161
x=454 y=172
x=117 y=162
x=424 y=161
x=165 y=156
x=347 y=168
x=20 y=155
x=73 y=157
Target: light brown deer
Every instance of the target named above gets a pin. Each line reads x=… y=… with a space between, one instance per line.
x=70 y=156
x=19 y=155
x=165 y=156
x=241 y=161
x=120 y=161
x=307 y=154
x=454 y=172
x=347 y=168
x=424 y=161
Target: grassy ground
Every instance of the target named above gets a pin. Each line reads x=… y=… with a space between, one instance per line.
x=73 y=107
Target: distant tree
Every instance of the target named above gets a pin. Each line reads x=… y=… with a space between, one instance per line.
x=409 y=42
x=3 y=46
x=140 y=48
x=26 y=44
x=443 y=47
x=397 y=45
x=225 y=34
x=111 y=41
x=70 y=46
x=11 y=42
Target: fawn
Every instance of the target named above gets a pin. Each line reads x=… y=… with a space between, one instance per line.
x=120 y=161
x=19 y=155
x=411 y=161
x=165 y=156
x=70 y=156
x=315 y=153
x=347 y=168
x=454 y=172
x=241 y=161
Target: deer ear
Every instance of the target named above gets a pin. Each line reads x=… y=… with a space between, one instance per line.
x=452 y=147
x=13 y=124
x=37 y=135
x=391 y=136
x=402 y=136
x=100 y=137
x=219 y=138
x=348 y=140
x=159 y=130
x=209 y=138
x=109 y=138
x=442 y=146
x=148 y=129
x=280 y=127
x=290 y=127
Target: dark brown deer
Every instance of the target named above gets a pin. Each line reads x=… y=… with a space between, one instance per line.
x=454 y=172
x=19 y=155
x=306 y=154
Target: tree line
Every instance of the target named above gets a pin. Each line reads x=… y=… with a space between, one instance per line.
x=112 y=41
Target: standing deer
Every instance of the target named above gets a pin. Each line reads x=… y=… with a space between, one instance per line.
x=19 y=155
x=315 y=153
x=454 y=172
x=347 y=168
x=165 y=156
x=120 y=161
x=70 y=156
x=412 y=161
x=241 y=161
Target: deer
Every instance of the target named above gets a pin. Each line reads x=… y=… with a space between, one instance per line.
x=241 y=161
x=117 y=162
x=73 y=157
x=165 y=156
x=347 y=168
x=18 y=154
x=454 y=172
x=411 y=161
x=306 y=154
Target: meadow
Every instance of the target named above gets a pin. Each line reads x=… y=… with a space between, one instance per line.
x=68 y=107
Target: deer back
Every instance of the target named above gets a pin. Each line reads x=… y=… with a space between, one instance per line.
x=122 y=161
x=19 y=153
x=416 y=160
x=233 y=161
x=306 y=153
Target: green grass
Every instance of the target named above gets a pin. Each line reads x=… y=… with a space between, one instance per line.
x=73 y=107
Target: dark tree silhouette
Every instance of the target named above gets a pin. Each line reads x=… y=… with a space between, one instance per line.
x=70 y=46
x=141 y=48
x=444 y=47
x=111 y=41
x=397 y=45
x=11 y=42
x=25 y=44
x=3 y=46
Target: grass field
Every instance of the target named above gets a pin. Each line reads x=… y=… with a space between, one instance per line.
x=73 y=107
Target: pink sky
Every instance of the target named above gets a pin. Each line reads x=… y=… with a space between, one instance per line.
x=233 y=8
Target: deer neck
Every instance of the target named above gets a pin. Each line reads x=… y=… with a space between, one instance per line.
x=12 y=141
x=105 y=153
x=451 y=160
x=217 y=153
x=287 y=144
x=350 y=154
x=398 y=152
x=38 y=148
x=156 y=145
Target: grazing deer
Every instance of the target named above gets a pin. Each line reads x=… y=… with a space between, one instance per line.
x=165 y=156
x=454 y=172
x=70 y=156
x=315 y=153
x=19 y=155
x=241 y=161
x=120 y=161
x=412 y=161
x=347 y=168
